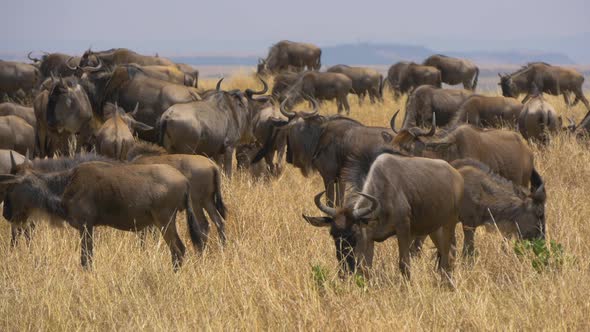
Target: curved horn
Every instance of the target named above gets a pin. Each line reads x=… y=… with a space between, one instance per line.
x=363 y=212
x=392 y=122
x=325 y=209
x=264 y=89
x=32 y=59
x=316 y=109
x=284 y=111
x=432 y=129
x=68 y=64
x=136 y=110
x=218 y=86
x=98 y=67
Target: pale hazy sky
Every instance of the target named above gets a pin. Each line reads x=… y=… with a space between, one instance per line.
x=177 y=27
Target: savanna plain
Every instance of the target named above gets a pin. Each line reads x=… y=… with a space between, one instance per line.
x=279 y=273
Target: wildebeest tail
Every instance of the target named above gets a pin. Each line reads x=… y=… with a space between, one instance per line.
x=218 y=197
x=191 y=220
x=357 y=167
x=475 y=78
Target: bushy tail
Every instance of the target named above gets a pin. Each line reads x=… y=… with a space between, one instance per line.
x=191 y=220
x=218 y=197
x=475 y=79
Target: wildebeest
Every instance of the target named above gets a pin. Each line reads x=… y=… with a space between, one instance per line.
x=204 y=177
x=16 y=134
x=118 y=56
x=547 y=79
x=23 y=112
x=245 y=154
x=212 y=127
x=488 y=111
x=125 y=197
x=538 y=119
x=491 y=199
x=47 y=141
x=364 y=81
x=18 y=77
x=454 y=70
x=403 y=77
x=115 y=137
x=505 y=152
x=407 y=197
x=282 y=83
x=287 y=55
x=7 y=164
x=427 y=100
x=582 y=129
x=191 y=74
x=324 y=144
x=56 y=64
x=320 y=86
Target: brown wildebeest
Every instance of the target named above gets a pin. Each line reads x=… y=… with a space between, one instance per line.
x=282 y=83
x=505 y=152
x=16 y=134
x=119 y=56
x=23 y=112
x=17 y=78
x=55 y=64
x=364 y=81
x=320 y=86
x=538 y=119
x=404 y=77
x=47 y=141
x=488 y=111
x=454 y=70
x=407 y=196
x=212 y=127
x=125 y=197
x=491 y=199
x=544 y=78
x=324 y=144
x=427 y=100
x=287 y=55
x=115 y=136
x=191 y=73
x=245 y=154
x=20 y=202
x=204 y=177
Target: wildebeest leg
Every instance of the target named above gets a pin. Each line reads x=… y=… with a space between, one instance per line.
x=86 y=237
x=28 y=232
x=202 y=221
x=340 y=105
x=404 y=240
x=581 y=97
x=416 y=248
x=361 y=98
x=346 y=105
x=15 y=232
x=227 y=161
x=566 y=99
x=170 y=234
x=142 y=236
x=445 y=241
x=217 y=219
x=468 y=241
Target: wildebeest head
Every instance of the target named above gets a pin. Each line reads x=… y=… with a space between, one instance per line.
x=89 y=58
x=509 y=88
x=260 y=102
x=409 y=140
x=83 y=70
x=68 y=106
x=345 y=228
x=113 y=110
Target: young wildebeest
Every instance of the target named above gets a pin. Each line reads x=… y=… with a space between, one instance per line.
x=488 y=111
x=427 y=100
x=538 y=119
x=16 y=134
x=408 y=197
x=490 y=198
x=115 y=136
x=125 y=197
x=204 y=177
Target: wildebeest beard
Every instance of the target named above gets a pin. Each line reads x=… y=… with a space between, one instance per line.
x=345 y=242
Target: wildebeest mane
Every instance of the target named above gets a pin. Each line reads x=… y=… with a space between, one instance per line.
x=64 y=163
x=497 y=178
x=143 y=148
x=357 y=167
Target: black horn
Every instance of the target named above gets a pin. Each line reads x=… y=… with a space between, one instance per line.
x=363 y=212
x=218 y=86
x=392 y=122
x=284 y=111
x=432 y=130
x=322 y=207
x=316 y=109
x=32 y=59
x=68 y=64
x=264 y=90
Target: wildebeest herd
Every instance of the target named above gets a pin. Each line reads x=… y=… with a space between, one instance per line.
x=127 y=140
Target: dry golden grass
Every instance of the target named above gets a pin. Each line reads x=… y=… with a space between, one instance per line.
x=263 y=278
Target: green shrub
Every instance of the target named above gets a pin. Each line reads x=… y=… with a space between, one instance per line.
x=542 y=256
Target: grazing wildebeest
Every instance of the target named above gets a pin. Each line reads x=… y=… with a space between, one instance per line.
x=488 y=111
x=546 y=79
x=119 y=56
x=282 y=83
x=115 y=137
x=212 y=127
x=404 y=77
x=245 y=154
x=320 y=86
x=16 y=134
x=125 y=197
x=288 y=55
x=427 y=100
x=55 y=64
x=538 y=119
x=18 y=77
x=23 y=112
x=454 y=70
x=408 y=197
x=505 y=152
x=324 y=144
x=20 y=203
x=491 y=199
x=364 y=81
x=204 y=177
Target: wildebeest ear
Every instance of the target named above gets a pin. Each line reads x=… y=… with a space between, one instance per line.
x=140 y=125
x=318 y=221
x=387 y=138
